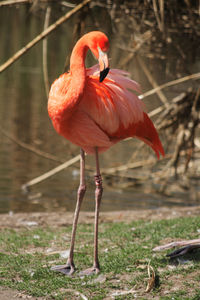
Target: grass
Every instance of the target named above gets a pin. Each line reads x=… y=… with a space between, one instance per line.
x=125 y=250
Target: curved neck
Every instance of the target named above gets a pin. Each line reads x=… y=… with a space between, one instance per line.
x=78 y=74
x=77 y=60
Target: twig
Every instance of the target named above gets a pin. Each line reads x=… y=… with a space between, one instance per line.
x=143 y=39
x=156 y=111
x=153 y=82
x=155 y=8
x=14 y=2
x=67 y=4
x=42 y=35
x=44 y=52
x=161 y=4
x=51 y=172
x=127 y=166
x=170 y=83
x=160 y=20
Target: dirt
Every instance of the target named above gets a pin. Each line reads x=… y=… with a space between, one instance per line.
x=17 y=220
x=9 y=294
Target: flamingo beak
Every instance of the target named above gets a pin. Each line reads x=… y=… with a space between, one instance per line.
x=103 y=65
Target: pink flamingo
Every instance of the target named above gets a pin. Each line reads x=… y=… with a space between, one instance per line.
x=94 y=111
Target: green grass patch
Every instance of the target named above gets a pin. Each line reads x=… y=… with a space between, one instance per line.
x=27 y=255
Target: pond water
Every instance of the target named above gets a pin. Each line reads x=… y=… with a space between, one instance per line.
x=23 y=113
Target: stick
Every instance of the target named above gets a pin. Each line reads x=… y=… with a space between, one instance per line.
x=170 y=83
x=156 y=111
x=161 y=4
x=153 y=82
x=127 y=166
x=177 y=244
x=155 y=8
x=41 y=36
x=11 y=2
x=51 y=172
x=44 y=52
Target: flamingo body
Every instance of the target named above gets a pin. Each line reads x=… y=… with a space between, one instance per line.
x=95 y=110
x=101 y=113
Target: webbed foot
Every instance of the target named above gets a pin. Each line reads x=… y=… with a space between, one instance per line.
x=67 y=269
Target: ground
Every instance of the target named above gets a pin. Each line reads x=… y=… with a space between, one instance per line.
x=20 y=220
x=64 y=218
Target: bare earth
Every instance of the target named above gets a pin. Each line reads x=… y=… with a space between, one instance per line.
x=20 y=220
x=65 y=218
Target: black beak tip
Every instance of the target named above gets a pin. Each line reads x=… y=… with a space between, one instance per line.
x=103 y=74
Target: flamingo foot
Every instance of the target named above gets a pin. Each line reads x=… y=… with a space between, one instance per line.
x=67 y=269
x=90 y=271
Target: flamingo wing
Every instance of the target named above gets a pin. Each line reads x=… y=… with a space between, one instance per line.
x=116 y=109
x=109 y=104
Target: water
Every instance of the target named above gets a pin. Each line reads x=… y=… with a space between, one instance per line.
x=23 y=116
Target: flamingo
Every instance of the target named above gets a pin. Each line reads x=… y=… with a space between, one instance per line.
x=95 y=108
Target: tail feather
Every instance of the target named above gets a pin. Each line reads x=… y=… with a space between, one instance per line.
x=143 y=130
x=146 y=132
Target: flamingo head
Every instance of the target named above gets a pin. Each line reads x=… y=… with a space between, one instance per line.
x=99 y=45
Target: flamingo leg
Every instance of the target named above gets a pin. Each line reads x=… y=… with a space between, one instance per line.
x=69 y=268
x=98 y=195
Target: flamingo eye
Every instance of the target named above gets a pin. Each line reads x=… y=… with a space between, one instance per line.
x=104 y=45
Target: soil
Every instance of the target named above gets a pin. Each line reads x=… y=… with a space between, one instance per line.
x=9 y=294
x=17 y=220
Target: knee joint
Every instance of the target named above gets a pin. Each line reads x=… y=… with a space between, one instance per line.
x=82 y=190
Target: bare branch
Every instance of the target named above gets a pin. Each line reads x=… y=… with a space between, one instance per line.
x=51 y=172
x=44 y=52
x=42 y=35
x=160 y=94
x=170 y=83
x=177 y=244
x=14 y=2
